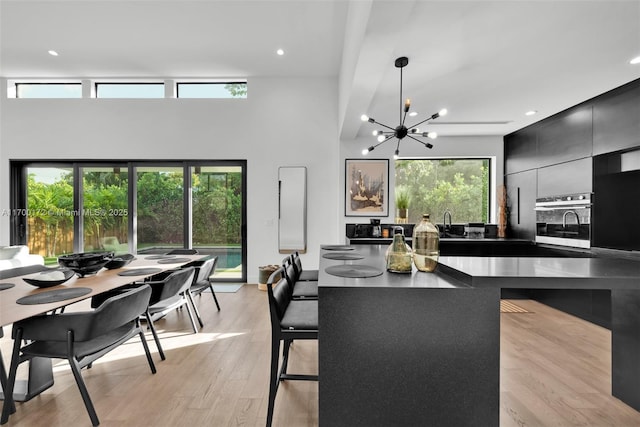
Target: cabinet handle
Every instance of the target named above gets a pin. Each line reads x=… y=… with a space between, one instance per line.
x=518 y=205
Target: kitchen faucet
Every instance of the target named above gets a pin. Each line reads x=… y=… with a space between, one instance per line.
x=444 y=220
x=564 y=218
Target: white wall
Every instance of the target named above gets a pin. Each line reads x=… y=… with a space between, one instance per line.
x=283 y=122
x=453 y=146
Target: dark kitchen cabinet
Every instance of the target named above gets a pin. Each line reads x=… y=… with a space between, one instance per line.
x=616 y=119
x=566 y=136
x=521 y=199
x=520 y=150
x=566 y=178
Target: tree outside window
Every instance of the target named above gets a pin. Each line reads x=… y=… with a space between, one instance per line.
x=436 y=185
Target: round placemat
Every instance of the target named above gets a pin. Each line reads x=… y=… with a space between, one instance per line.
x=353 y=270
x=337 y=248
x=342 y=255
x=53 y=296
x=4 y=286
x=140 y=271
x=173 y=260
x=159 y=256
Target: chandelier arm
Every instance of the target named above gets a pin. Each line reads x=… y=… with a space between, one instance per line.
x=419 y=123
x=383 y=141
x=388 y=127
x=426 y=144
x=404 y=118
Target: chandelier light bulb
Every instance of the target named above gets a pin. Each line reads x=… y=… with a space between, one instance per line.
x=375 y=133
x=635 y=60
x=365 y=151
x=364 y=117
x=432 y=135
x=407 y=105
x=380 y=138
x=443 y=112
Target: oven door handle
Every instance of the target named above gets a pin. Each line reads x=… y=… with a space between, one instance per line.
x=562 y=207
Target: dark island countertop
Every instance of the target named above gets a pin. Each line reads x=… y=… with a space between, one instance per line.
x=373 y=256
x=543 y=272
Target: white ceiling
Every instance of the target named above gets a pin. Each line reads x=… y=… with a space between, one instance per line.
x=486 y=61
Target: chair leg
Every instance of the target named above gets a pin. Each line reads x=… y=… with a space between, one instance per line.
x=195 y=308
x=274 y=381
x=285 y=358
x=191 y=316
x=75 y=368
x=214 y=296
x=155 y=334
x=146 y=351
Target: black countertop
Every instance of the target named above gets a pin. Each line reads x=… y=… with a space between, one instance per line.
x=543 y=272
x=527 y=272
x=374 y=257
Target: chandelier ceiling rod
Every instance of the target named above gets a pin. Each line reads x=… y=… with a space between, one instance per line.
x=401 y=131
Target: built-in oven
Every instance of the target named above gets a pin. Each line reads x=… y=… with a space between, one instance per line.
x=564 y=220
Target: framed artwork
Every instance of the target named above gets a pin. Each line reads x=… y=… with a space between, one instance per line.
x=367 y=187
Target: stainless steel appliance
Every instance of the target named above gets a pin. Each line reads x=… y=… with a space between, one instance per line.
x=564 y=220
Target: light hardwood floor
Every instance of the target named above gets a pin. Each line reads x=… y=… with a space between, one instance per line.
x=555 y=371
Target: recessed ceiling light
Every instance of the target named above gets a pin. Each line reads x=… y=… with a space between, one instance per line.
x=280 y=52
x=53 y=53
x=635 y=60
x=413 y=114
x=530 y=113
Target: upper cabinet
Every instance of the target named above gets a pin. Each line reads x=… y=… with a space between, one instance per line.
x=616 y=119
x=565 y=136
x=520 y=150
x=566 y=178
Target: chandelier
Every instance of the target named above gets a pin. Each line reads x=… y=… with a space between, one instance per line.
x=402 y=131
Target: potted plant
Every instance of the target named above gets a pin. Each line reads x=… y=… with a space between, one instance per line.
x=403 y=198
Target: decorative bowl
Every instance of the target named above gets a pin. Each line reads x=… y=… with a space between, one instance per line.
x=53 y=277
x=85 y=263
x=119 y=261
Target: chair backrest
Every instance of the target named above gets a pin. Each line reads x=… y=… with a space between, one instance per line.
x=181 y=251
x=118 y=310
x=279 y=296
x=111 y=314
x=206 y=269
x=290 y=275
x=175 y=283
x=297 y=263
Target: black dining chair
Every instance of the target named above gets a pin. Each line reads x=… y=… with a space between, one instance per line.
x=300 y=289
x=302 y=275
x=80 y=338
x=201 y=282
x=169 y=292
x=290 y=320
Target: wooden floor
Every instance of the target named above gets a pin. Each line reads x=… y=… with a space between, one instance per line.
x=555 y=371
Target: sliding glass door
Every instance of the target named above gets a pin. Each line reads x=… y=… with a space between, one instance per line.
x=105 y=210
x=140 y=207
x=160 y=193
x=217 y=201
x=49 y=212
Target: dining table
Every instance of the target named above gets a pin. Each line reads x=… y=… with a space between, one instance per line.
x=20 y=300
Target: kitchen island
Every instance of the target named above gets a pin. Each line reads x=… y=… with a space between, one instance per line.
x=424 y=347
x=405 y=349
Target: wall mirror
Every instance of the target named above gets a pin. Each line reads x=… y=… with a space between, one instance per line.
x=292 y=209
